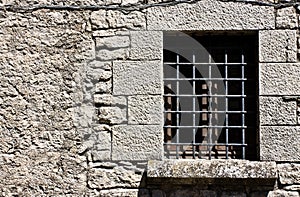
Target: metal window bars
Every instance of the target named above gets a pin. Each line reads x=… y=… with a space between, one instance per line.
x=206 y=107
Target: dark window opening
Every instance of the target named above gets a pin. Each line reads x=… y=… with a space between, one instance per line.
x=210 y=95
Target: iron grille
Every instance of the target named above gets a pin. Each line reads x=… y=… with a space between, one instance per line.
x=210 y=96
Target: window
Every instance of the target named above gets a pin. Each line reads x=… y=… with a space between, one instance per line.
x=210 y=95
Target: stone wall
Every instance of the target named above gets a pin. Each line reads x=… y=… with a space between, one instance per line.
x=81 y=93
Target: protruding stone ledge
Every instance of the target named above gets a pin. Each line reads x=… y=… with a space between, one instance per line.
x=209 y=172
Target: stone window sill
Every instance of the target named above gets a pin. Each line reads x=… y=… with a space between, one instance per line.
x=208 y=172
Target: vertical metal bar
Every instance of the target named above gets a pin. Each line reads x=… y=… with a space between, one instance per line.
x=177 y=106
x=226 y=103
x=243 y=107
x=209 y=107
x=194 y=106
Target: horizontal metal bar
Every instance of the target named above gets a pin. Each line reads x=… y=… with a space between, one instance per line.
x=203 y=63
x=207 y=79
x=211 y=112
x=211 y=126
x=206 y=144
x=206 y=95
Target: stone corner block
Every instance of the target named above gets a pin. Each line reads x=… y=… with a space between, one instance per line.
x=279 y=143
x=279 y=78
x=277 y=46
x=146 y=45
x=211 y=15
x=137 y=142
x=286 y=18
x=112 y=115
x=145 y=110
x=275 y=111
x=137 y=77
x=289 y=173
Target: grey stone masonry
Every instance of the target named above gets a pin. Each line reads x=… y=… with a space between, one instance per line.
x=279 y=79
x=279 y=143
x=137 y=142
x=145 y=77
x=211 y=15
x=286 y=18
x=277 y=46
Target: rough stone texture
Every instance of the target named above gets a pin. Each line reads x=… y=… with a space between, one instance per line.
x=279 y=143
x=292 y=188
x=286 y=18
x=289 y=173
x=103 y=87
x=118 y=53
x=282 y=193
x=137 y=142
x=211 y=15
x=119 y=193
x=146 y=45
x=279 y=79
x=99 y=178
x=108 y=99
x=207 y=169
x=145 y=110
x=117 y=19
x=146 y=77
x=277 y=46
x=113 y=42
x=112 y=115
x=275 y=111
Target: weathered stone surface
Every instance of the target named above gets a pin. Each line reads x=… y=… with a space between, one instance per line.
x=115 y=54
x=233 y=194
x=119 y=193
x=277 y=46
x=137 y=142
x=94 y=75
x=289 y=173
x=117 y=19
x=274 y=111
x=103 y=87
x=113 y=42
x=99 y=178
x=286 y=18
x=207 y=169
x=211 y=15
x=108 y=99
x=145 y=110
x=282 y=193
x=112 y=115
x=146 y=45
x=146 y=77
x=292 y=188
x=279 y=79
x=279 y=143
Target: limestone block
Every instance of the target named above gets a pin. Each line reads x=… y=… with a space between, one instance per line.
x=135 y=77
x=279 y=79
x=112 y=115
x=98 y=19
x=117 y=19
x=286 y=18
x=292 y=187
x=137 y=142
x=129 y=2
x=108 y=99
x=277 y=46
x=105 y=65
x=212 y=169
x=111 y=32
x=280 y=143
x=282 y=193
x=211 y=15
x=103 y=87
x=275 y=111
x=99 y=178
x=289 y=173
x=146 y=45
x=106 y=54
x=119 y=193
x=96 y=74
x=113 y=42
x=145 y=110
